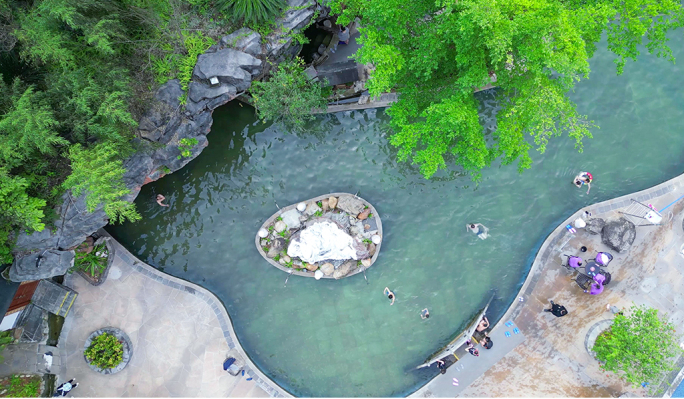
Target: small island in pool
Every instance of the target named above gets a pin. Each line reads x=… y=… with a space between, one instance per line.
x=330 y=236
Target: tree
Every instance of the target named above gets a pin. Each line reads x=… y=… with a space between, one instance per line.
x=289 y=95
x=98 y=172
x=642 y=346
x=435 y=53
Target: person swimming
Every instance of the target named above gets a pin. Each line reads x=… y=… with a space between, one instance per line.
x=424 y=314
x=390 y=295
x=161 y=198
x=479 y=229
x=583 y=178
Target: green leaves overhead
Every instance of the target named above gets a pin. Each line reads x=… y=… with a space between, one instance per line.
x=436 y=53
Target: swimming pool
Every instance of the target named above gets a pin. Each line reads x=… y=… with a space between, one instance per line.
x=342 y=338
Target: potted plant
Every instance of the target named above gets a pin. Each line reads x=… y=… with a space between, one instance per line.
x=92 y=260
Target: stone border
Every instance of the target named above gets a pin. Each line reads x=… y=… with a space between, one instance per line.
x=268 y=385
x=110 y=259
x=594 y=331
x=270 y=220
x=127 y=349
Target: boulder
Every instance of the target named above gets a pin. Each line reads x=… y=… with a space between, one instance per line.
x=323 y=240
x=350 y=204
x=328 y=269
x=245 y=40
x=312 y=267
x=263 y=233
x=344 y=269
x=279 y=226
x=618 y=234
x=595 y=225
x=318 y=275
x=341 y=218
x=311 y=208
x=291 y=218
x=41 y=264
x=162 y=112
x=200 y=91
x=230 y=66
x=324 y=205
x=366 y=262
x=371 y=249
x=332 y=202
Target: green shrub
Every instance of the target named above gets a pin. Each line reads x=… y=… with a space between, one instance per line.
x=105 y=351
x=252 y=11
x=91 y=263
x=22 y=387
x=185 y=145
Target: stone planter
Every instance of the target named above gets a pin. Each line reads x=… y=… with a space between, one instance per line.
x=593 y=333
x=355 y=216
x=127 y=349
x=97 y=280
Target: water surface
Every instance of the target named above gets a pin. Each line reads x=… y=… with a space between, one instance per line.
x=342 y=338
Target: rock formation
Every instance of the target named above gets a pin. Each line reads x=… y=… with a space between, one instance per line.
x=618 y=234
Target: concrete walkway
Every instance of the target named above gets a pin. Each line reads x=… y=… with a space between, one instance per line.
x=554 y=361
x=180 y=332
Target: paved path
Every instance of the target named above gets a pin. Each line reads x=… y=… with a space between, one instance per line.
x=180 y=334
x=553 y=361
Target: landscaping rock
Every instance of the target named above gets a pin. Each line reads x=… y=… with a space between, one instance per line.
x=200 y=91
x=230 y=66
x=324 y=205
x=328 y=269
x=332 y=202
x=312 y=208
x=595 y=225
x=341 y=218
x=40 y=265
x=243 y=39
x=618 y=234
x=343 y=270
x=312 y=267
x=364 y=215
x=279 y=226
x=366 y=262
x=291 y=218
x=350 y=204
x=371 y=249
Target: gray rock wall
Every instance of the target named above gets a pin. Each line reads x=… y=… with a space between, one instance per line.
x=237 y=60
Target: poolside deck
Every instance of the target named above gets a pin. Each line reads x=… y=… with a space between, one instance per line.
x=553 y=360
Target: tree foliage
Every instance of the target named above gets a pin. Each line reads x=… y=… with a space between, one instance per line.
x=289 y=95
x=641 y=346
x=435 y=53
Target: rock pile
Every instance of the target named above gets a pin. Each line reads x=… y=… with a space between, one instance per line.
x=331 y=237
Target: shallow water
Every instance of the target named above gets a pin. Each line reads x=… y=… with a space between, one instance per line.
x=342 y=338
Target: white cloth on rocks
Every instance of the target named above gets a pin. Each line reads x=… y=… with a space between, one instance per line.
x=321 y=241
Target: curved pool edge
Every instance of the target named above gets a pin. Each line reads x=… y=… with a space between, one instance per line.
x=268 y=385
x=544 y=253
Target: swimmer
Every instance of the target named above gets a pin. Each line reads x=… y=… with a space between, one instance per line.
x=484 y=324
x=424 y=314
x=161 y=198
x=390 y=295
x=479 y=229
x=583 y=178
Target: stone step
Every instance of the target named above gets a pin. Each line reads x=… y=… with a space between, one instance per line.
x=54 y=298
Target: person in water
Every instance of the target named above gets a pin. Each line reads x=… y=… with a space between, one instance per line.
x=161 y=198
x=583 y=178
x=390 y=295
x=479 y=229
x=424 y=314
x=484 y=324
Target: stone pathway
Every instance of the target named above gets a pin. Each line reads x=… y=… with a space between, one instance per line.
x=554 y=361
x=180 y=334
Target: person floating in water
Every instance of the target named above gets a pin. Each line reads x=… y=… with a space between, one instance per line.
x=583 y=178
x=390 y=295
x=161 y=198
x=424 y=314
x=479 y=229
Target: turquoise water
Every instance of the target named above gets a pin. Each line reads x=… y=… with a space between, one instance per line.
x=342 y=338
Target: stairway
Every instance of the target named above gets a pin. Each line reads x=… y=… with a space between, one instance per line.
x=54 y=298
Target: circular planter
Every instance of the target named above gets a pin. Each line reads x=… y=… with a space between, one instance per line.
x=593 y=333
x=127 y=349
x=304 y=273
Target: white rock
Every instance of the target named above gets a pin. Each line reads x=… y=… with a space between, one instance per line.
x=580 y=223
x=322 y=240
x=366 y=262
x=280 y=226
x=376 y=239
x=291 y=218
x=318 y=274
x=301 y=206
x=263 y=233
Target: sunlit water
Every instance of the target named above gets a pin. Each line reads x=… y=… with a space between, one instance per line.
x=342 y=338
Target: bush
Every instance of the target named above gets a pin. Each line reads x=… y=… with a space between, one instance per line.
x=105 y=351
x=92 y=263
x=22 y=387
x=643 y=346
x=252 y=11
x=289 y=95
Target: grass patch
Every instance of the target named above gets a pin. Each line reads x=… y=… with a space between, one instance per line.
x=20 y=387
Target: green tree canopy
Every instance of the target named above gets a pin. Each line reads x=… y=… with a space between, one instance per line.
x=435 y=53
x=641 y=346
